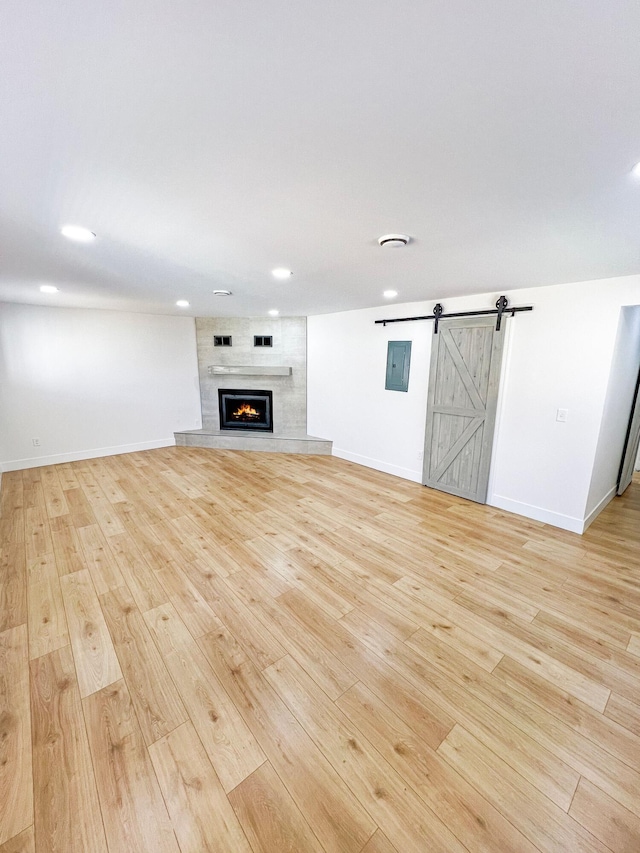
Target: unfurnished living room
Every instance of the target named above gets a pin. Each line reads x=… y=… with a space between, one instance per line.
x=319 y=427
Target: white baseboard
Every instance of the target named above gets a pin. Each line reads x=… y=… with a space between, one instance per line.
x=405 y=473
x=538 y=513
x=595 y=512
x=79 y=455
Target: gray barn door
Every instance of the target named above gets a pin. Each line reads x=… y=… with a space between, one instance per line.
x=466 y=356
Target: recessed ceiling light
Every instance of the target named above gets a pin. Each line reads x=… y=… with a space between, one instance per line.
x=393 y=241
x=49 y=288
x=636 y=171
x=222 y=293
x=281 y=272
x=390 y=294
x=182 y=303
x=274 y=312
x=77 y=233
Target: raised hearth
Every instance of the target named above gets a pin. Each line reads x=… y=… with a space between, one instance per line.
x=256 y=441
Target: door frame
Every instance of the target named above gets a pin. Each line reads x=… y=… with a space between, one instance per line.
x=631 y=440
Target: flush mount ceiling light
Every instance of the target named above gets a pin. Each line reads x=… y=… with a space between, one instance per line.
x=394 y=241
x=77 y=233
x=390 y=294
x=182 y=303
x=274 y=312
x=222 y=293
x=281 y=272
x=49 y=288
x=636 y=171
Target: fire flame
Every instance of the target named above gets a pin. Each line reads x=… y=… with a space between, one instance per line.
x=245 y=409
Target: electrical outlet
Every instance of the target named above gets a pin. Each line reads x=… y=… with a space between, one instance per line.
x=562 y=415
x=35 y=442
x=420 y=455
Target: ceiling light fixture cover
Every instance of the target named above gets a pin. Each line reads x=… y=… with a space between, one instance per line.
x=222 y=293
x=394 y=241
x=636 y=171
x=182 y=303
x=390 y=294
x=77 y=233
x=274 y=312
x=281 y=272
x=49 y=288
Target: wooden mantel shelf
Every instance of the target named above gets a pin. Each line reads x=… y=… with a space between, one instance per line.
x=248 y=370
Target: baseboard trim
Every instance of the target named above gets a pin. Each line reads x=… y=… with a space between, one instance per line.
x=368 y=462
x=595 y=512
x=538 y=513
x=79 y=455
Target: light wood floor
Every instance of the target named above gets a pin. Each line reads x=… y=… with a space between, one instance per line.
x=222 y=651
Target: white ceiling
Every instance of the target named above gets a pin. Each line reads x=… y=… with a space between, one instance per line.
x=208 y=142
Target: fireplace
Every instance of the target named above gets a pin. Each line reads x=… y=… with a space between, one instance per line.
x=247 y=410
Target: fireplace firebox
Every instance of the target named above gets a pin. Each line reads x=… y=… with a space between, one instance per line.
x=247 y=410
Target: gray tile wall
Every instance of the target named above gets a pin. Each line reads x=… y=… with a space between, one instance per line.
x=289 y=349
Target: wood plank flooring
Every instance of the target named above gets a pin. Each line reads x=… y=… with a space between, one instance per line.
x=257 y=653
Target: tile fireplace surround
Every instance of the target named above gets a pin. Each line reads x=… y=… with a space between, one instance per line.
x=289 y=386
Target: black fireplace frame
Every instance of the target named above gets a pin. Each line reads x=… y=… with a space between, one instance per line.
x=227 y=394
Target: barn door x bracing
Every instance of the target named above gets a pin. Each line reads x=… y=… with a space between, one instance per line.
x=466 y=357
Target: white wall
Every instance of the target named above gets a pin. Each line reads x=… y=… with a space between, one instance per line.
x=557 y=356
x=617 y=409
x=92 y=383
x=346 y=398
